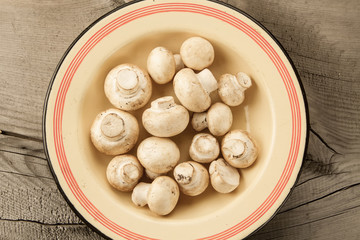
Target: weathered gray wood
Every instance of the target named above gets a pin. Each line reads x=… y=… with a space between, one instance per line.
x=322 y=38
x=15 y=230
x=34 y=36
x=29 y=192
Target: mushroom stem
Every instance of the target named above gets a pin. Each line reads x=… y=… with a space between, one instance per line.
x=244 y=80
x=163 y=103
x=112 y=126
x=235 y=146
x=127 y=81
x=139 y=194
x=207 y=80
x=129 y=172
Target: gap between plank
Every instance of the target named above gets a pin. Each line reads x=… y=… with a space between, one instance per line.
x=322 y=197
x=42 y=223
x=18 y=135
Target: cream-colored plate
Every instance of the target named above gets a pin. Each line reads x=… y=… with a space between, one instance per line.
x=274 y=113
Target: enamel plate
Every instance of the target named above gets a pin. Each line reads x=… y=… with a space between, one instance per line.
x=274 y=113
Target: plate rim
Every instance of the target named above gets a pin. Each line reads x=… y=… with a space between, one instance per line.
x=83 y=32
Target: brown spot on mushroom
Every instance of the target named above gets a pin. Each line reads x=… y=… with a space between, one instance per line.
x=192 y=178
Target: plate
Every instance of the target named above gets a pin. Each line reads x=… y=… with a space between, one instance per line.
x=274 y=113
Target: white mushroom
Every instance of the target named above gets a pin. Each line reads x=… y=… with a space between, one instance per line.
x=232 y=88
x=192 y=177
x=197 y=53
x=123 y=172
x=239 y=149
x=161 y=195
x=204 y=148
x=114 y=132
x=158 y=155
x=161 y=65
x=128 y=87
x=218 y=119
x=165 y=118
x=223 y=177
x=193 y=90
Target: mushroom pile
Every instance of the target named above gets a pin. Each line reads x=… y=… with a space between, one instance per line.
x=154 y=175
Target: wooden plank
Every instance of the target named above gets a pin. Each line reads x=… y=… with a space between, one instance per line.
x=34 y=36
x=29 y=192
x=19 y=229
x=331 y=217
x=21 y=144
x=324 y=172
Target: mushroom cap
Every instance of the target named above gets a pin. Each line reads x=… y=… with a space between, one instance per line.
x=192 y=177
x=219 y=119
x=204 y=148
x=123 y=172
x=114 y=132
x=197 y=53
x=159 y=155
x=165 y=118
x=161 y=65
x=232 y=88
x=190 y=92
x=128 y=87
x=163 y=195
x=223 y=177
x=239 y=149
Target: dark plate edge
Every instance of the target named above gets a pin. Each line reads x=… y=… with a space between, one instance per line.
x=133 y=2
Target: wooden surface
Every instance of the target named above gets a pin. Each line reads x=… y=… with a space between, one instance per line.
x=323 y=39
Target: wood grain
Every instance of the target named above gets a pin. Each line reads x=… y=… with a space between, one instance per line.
x=322 y=38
